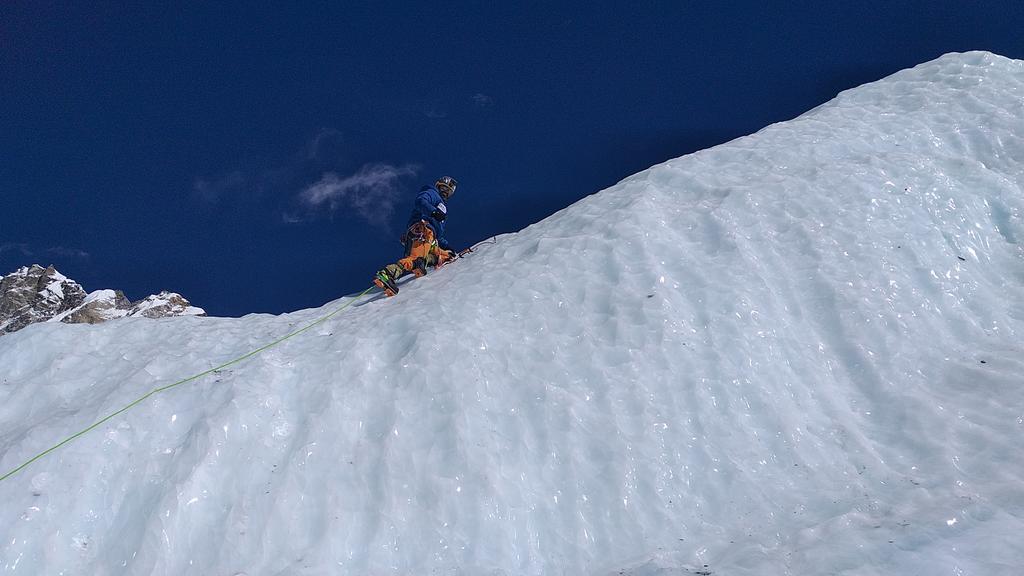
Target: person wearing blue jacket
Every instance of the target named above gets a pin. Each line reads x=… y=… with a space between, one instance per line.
x=424 y=239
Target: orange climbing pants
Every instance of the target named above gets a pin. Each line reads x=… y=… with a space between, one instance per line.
x=421 y=250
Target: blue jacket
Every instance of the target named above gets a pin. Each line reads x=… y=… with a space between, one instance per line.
x=428 y=200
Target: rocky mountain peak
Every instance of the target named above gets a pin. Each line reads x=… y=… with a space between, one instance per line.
x=34 y=294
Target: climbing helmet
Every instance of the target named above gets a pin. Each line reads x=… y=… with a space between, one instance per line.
x=446 y=186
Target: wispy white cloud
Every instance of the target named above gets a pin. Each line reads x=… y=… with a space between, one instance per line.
x=371 y=193
x=68 y=253
x=213 y=190
x=16 y=247
x=434 y=113
x=253 y=183
x=23 y=250
x=482 y=100
x=322 y=142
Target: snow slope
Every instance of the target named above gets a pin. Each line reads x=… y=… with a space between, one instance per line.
x=796 y=353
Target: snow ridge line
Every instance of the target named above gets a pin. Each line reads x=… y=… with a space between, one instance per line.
x=142 y=398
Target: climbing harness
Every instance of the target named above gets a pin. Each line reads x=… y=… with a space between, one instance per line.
x=417 y=232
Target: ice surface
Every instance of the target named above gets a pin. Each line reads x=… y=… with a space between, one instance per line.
x=796 y=353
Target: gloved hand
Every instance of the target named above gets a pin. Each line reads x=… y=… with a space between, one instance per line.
x=438 y=215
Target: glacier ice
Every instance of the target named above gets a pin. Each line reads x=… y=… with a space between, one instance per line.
x=800 y=352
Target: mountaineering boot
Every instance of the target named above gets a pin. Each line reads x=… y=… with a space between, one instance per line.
x=386 y=282
x=419 y=267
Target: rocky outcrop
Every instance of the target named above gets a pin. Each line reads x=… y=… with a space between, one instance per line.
x=165 y=304
x=36 y=294
x=100 y=306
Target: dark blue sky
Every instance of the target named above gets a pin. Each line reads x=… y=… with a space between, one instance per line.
x=147 y=148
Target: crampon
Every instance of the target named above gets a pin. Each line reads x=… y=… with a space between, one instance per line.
x=385 y=282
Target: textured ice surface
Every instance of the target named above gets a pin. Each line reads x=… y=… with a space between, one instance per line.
x=796 y=353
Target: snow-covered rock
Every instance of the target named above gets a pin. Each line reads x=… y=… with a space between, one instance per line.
x=35 y=294
x=163 y=305
x=99 y=306
x=798 y=353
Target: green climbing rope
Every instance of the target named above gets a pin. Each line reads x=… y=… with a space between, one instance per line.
x=178 y=383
